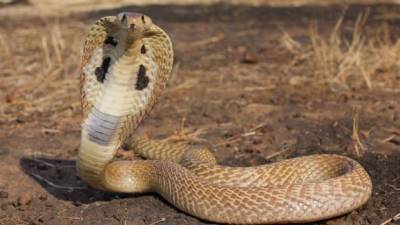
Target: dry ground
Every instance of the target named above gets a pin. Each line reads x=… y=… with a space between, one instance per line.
x=249 y=82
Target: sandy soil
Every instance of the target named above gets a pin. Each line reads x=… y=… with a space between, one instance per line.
x=232 y=85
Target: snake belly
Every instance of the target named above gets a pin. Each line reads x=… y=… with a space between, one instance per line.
x=126 y=62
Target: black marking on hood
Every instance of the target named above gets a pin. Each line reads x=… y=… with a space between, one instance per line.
x=142 y=79
x=101 y=71
x=143 y=49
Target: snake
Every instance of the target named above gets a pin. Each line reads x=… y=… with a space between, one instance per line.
x=126 y=62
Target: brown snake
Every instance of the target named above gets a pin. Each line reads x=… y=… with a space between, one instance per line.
x=126 y=63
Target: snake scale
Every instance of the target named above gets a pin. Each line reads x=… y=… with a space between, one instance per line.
x=127 y=60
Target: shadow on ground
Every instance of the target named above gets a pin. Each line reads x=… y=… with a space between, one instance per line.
x=59 y=178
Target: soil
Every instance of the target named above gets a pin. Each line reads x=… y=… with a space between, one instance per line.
x=232 y=90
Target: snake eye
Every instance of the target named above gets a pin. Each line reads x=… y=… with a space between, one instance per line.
x=143 y=20
x=122 y=17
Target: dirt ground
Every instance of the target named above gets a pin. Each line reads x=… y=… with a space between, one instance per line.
x=233 y=89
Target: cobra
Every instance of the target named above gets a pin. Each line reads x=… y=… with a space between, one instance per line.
x=127 y=60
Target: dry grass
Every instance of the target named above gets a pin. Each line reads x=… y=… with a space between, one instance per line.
x=363 y=59
x=358 y=145
x=39 y=68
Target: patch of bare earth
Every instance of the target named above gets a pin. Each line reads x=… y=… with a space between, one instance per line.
x=256 y=84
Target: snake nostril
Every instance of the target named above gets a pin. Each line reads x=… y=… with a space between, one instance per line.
x=132 y=26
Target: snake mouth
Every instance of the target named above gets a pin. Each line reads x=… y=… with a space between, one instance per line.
x=132 y=27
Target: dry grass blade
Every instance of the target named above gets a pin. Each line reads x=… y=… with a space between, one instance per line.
x=33 y=69
x=393 y=219
x=359 y=147
x=209 y=40
x=186 y=134
x=159 y=221
x=290 y=44
x=46 y=52
x=347 y=61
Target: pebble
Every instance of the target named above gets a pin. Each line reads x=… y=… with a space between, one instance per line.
x=4 y=206
x=3 y=194
x=249 y=58
x=25 y=198
x=43 y=197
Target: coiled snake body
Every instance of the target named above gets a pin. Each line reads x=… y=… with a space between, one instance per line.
x=126 y=63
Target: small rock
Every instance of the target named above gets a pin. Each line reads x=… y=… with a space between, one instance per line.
x=33 y=222
x=297 y=80
x=73 y=151
x=249 y=58
x=241 y=49
x=258 y=110
x=9 y=98
x=19 y=119
x=24 y=199
x=108 y=213
x=257 y=160
x=4 y=206
x=3 y=194
x=76 y=203
x=43 y=197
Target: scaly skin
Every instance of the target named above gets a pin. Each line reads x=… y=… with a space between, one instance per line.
x=113 y=108
x=126 y=63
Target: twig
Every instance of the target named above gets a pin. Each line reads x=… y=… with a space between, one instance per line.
x=236 y=138
x=72 y=218
x=214 y=39
x=159 y=221
x=50 y=131
x=184 y=85
x=46 y=52
x=273 y=155
x=393 y=219
x=186 y=135
x=393 y=130
x=229 y=141
x=175 y=69
x=388 y=139
x=356 y=118
x=394 y=187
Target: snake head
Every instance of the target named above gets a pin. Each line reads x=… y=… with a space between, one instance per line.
x=134 y=23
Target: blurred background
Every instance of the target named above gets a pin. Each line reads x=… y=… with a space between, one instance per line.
x=257 y=81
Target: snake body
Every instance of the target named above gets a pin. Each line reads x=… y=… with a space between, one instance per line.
x=126 y=63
